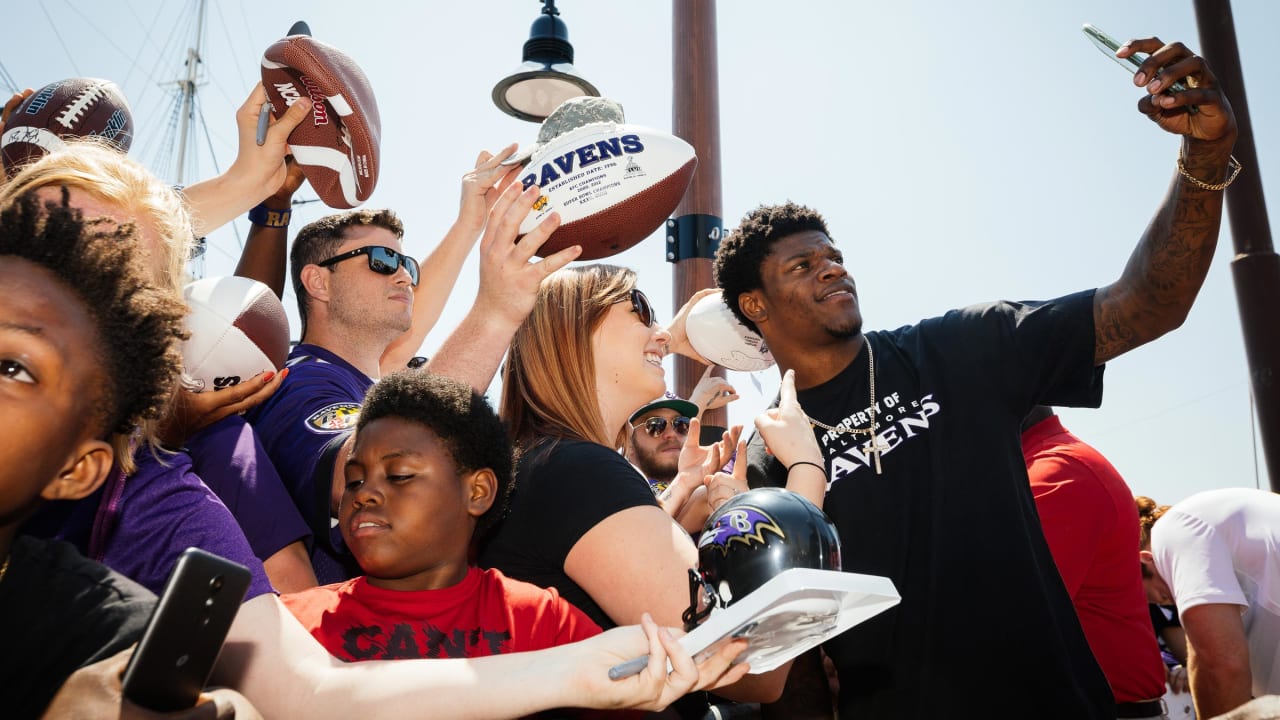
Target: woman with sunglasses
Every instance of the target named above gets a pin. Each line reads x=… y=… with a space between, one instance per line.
x=582 y=519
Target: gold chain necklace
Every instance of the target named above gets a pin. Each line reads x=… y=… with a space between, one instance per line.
x=5 y=567
x=876 y=446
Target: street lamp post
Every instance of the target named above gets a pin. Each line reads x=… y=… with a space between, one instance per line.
x=546 y=77
x=694 y=233
x=1255 y=267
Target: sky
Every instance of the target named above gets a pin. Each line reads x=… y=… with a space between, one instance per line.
x=961 y=152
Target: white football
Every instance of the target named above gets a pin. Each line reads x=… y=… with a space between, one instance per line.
x=721 y=338
x=238 y=329
x=613 y=185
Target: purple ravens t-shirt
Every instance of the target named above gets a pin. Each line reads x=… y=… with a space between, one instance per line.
x=228 y=456
x=316 y=405
x=138 y=525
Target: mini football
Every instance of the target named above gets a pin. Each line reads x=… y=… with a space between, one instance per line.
x=613 y=185
x=719 y=337
x=77 y=107
x=238 y=329
x=338 y=146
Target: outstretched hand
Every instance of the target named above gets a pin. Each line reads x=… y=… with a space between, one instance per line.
x=257 y=172
x=722 y=486
x=1167 y=64
x=654 y=688
x=679 y=338
x=13 y=104
x=789 y=437
x=786 y=429
x=482 y=186
x=194 y=411
x=262 y=167
x=509 y=282
x=697 y=463
x=712 y=391
x=96 y=691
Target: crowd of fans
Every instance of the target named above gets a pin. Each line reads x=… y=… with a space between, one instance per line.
x=506 y=557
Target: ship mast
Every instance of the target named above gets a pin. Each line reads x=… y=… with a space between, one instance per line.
x=188 y=86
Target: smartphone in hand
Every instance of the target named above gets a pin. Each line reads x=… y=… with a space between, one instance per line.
x=1108 y=45
x=184 y=635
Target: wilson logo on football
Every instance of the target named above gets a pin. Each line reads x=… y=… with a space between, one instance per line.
x=40 y=99
x=319 y=111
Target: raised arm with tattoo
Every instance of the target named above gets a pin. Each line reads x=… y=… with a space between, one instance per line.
x=1166 y=270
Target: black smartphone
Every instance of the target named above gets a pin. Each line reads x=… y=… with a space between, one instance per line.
x=184 y=635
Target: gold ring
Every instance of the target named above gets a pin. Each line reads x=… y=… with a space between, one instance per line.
x=1191 y=82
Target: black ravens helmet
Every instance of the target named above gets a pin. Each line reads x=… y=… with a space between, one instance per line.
x=752 y=538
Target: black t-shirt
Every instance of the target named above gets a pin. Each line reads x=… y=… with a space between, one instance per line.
x=563 y=489
x=985 y=627
x=60 y=612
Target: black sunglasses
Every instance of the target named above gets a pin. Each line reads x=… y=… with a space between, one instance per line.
x=382 y=260
x=655 y=426
x=644 y=310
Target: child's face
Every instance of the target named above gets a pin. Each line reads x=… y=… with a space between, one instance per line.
x=406 y=514
x=48 y=384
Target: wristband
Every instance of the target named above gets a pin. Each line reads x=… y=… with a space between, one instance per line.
x=806 y=462
x=267 y=217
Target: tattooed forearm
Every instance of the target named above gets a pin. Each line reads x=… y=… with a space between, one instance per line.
x=1165 y=272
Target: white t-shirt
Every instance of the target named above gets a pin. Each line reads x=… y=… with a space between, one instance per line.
x=1223 y=546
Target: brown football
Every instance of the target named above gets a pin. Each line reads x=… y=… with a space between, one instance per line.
x=338 y=145
x=75 y=107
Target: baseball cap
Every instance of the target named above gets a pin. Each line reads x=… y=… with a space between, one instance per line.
x=669 y=401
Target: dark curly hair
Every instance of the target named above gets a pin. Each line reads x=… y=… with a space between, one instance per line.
x=463 y=420
x=319 y=241
x=139 y=325
x=738 y=260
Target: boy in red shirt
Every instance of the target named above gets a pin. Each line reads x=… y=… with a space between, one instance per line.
x=429 y=471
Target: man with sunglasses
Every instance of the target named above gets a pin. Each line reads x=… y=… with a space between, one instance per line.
x=355 y=293
x=658 y=431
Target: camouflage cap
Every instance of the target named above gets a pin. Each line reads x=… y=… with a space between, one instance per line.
x=576 y=112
